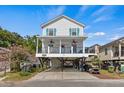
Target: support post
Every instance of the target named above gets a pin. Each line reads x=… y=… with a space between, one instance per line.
x=119 y=49
x=83 y=47
x=60 y=47
x=111 y=51
x=48 y=49
x=71 y=49
x=43 y=50
x=62 y=64
x=50 y=63
x=37 y=46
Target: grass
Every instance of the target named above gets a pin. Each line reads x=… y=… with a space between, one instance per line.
x=16 y=76
x=1 y=75
x=112 y=75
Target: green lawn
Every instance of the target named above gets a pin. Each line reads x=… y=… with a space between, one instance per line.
x=15 y=76
x=1 y=75
x=112 y=75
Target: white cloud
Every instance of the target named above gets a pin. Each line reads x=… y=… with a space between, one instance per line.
x=53 y=12
x=120 y=28
x=45 y=14
x=87 y=27
x=99 y=11
x=104 y=14
x=82 y=11
x=90 y=35
x=102 y=18
x=115 y=37
x=99 y=34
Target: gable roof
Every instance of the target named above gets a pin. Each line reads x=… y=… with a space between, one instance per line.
x=122 y=38
x=95 y=45
x=60 y=17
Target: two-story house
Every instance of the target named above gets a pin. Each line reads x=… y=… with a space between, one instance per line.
x=113 y=51
x=62 y=37
x=92 y=49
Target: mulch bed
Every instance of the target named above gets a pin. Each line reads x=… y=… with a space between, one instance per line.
x=101 y=76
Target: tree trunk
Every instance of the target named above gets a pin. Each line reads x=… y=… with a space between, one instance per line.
x=5 y=71
x=42 y=65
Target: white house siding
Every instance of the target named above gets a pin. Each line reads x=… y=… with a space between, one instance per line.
x=108 y=56
x=62 y=27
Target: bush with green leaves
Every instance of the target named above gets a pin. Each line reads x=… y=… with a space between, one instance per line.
x=18 y=56
x=96 y=61
x=111 y=69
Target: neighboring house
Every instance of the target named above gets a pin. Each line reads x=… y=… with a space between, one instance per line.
x=113 y=51
x=4 y=59
x=62 y=37
x=92 y=49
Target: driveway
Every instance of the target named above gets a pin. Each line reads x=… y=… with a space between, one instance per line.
x=67 y=74
x=54 y=77
x=67 y=78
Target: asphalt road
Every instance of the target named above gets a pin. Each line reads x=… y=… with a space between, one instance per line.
x=75 y=83
x=66 y=83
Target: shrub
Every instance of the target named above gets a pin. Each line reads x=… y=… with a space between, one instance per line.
x=41 y=69
x=24 y=73
x=33 y=70
x=111 y=69
x=18 y=56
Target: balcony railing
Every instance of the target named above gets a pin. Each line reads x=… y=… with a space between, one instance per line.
x=122 y=53
x=56 y=50
x=116 y=54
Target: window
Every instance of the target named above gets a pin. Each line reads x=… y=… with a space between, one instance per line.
x=51 y=31
x=106 y=51
x=74 y=31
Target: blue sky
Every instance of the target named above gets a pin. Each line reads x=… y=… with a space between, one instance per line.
x=103 y=23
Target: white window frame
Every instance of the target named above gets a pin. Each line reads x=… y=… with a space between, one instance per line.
x=51 y=32
x=74 y=30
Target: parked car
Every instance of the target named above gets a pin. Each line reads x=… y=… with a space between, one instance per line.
x=94 y=71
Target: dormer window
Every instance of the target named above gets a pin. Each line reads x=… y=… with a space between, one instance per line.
x=74 y=31
x=51 y=31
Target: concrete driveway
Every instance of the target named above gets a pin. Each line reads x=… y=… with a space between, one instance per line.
x=67 y=74
x=68 y=78
x=54 y=77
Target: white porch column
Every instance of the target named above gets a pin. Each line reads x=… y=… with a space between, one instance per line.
x=83 y=47
x=37 y=46
x=71 y=49
x=111 y=51
x=60 y=47
x=43 y=49
x=119 y=49
x=48 y=49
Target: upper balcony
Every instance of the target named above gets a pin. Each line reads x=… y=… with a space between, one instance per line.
x=60 y=47
x=118 y=51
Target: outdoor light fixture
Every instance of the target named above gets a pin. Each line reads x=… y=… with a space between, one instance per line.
x=51 y=43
